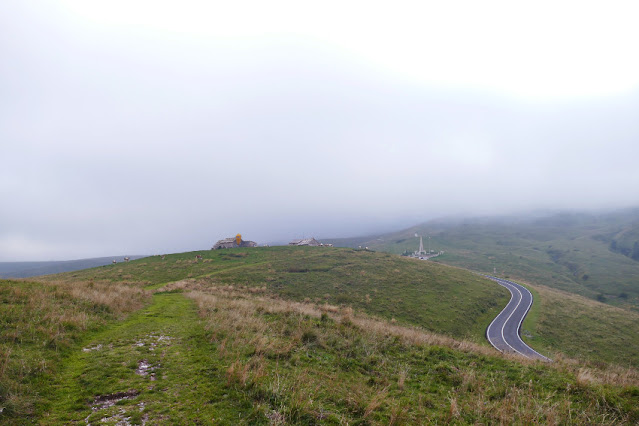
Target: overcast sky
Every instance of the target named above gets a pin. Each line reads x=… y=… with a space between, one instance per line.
x=146 y=127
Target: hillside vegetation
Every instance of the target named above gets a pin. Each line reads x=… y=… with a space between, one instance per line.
x=209 y=354
x=249 y=336
x=439 y=298
x=566 y=324
x=434 y=296
x=586 y=254
x=41 y=324
x=303 y=363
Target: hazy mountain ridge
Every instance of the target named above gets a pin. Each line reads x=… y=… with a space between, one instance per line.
x=33 y=269
x=581 y=252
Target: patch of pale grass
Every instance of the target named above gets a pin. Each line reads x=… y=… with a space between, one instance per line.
x=210 y=285
x=377 y=400
x=602 y=374
x=119 y=298
x=585 y=376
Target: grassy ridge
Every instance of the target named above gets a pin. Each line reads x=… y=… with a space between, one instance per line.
x=33 y=269
x=427 y=294
x=154 y=270
x=570 y=252
x=436 y=297
x=431 y=295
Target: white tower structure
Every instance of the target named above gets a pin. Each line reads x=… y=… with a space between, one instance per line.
x=421 y=247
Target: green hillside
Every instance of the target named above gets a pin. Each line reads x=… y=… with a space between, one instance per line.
x=430 y=295
x=566 y=324
x=586 y=254
x=436 y=297
x=257 y=336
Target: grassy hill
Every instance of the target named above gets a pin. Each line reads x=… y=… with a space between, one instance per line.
x=430 y=295
x=439 y=298
x=270 y=336
x=582 y=253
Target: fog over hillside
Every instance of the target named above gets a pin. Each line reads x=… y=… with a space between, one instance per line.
x=138 y=127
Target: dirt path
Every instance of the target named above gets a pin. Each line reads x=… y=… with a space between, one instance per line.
x=156 y=367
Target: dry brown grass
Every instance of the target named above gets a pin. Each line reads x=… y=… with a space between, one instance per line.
x=239 y=324
x=120 y=298
x=204 y=285
x=598 y=373
x=377 y=400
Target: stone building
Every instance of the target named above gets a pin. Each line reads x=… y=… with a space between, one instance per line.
x=233 y=242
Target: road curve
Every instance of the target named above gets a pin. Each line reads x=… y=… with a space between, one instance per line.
x=503 y=332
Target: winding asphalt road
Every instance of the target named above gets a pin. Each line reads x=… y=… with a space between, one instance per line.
x=503 y=332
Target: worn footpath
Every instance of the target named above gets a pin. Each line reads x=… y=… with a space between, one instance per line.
x=155 y=367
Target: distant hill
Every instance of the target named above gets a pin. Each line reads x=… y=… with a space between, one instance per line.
x=33 y=269
x=594 y=255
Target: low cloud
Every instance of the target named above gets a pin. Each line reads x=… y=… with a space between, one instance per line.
x=115 y=143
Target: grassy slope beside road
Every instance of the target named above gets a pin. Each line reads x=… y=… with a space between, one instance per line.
x=304 y=363
x=582 y=328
